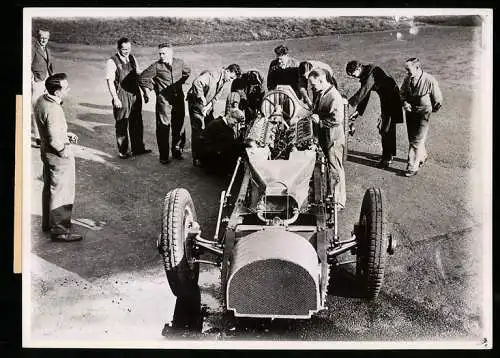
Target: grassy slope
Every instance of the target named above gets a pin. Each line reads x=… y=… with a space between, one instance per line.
x=182 y=31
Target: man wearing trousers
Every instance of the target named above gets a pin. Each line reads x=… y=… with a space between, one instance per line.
x=166 y=76
x=205 y=91
x=58 y=193
x=41 y=68
x=122 y=73
x=420 y=96
x=373 y=78
x=328 y=112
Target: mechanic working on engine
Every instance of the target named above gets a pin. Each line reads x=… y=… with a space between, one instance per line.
x=247 y=93
x=328 y=112
x=304 y=68
x=206 y=89
x=221 y=143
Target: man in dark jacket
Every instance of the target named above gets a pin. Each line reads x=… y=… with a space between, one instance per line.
x=247 y=93
x=283 y=70
x=41 y=68
x=166 y=76
x=373 y=78
x=221 y=145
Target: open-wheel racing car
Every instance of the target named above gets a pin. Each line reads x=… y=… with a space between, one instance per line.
x=276 y=235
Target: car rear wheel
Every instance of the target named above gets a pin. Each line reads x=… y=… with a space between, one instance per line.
x=176 y=247
x=372 y=244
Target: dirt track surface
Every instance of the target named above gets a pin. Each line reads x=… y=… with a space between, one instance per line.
x=111 y=287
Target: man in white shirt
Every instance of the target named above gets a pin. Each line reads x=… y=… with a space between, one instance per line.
x=122 y=72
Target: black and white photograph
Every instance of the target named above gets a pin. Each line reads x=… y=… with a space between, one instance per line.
x=250 y=178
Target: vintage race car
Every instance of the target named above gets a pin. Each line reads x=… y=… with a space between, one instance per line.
x=276 y=234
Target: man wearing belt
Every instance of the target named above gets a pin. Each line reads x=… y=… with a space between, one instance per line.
x=373 y=78
x=58 y=193
x=122 y=72
x=283 y=70
x=41 y=68
x=205 y=91
x=420 y=96
x=166 y=76
x=328 y=112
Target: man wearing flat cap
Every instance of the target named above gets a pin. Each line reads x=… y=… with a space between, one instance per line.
x=58 y=192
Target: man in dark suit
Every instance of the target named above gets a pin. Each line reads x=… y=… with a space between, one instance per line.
x=221 y=145
x=166 y=76
x=41 y=68
x=373 y=78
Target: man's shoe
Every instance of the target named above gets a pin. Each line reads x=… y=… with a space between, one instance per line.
x=410 y=173
x=144 y=151
x=384 y=163
x=177 y=155
x=123 y=155
x=67 y=238
x=164 y=161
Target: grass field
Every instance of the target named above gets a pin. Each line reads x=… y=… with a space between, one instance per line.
x=148 y=31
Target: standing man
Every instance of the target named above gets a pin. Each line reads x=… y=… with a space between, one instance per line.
x=122 y=72
x=328 y=112
x=304 y=68
x=58 y=193
x=420 y=95
x=283 y=70
x=166 y=76
x=41 y=68
x=373 y=78
x=205 y=91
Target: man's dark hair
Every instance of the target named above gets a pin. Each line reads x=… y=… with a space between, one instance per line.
x=304 y=67
x=414 y=60
x=281 y=50
x=234 y=68
x=316 y=73
x=165 y=44
x=122 y=41
x=352 y=66
x=53 y=83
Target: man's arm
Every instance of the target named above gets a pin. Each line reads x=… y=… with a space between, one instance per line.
x=56 y=136
x=403 y=93
x=198 y=84
x=186 y=72
x=436 y=96
x=145 y=81
x=110 y=79
x=360 y=99
x=271 y=80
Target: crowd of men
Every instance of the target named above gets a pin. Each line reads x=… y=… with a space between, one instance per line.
x=213 y=130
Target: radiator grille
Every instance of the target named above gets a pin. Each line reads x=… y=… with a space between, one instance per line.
x=272 y=288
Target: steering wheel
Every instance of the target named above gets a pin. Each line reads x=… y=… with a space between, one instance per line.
x=276 y=98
